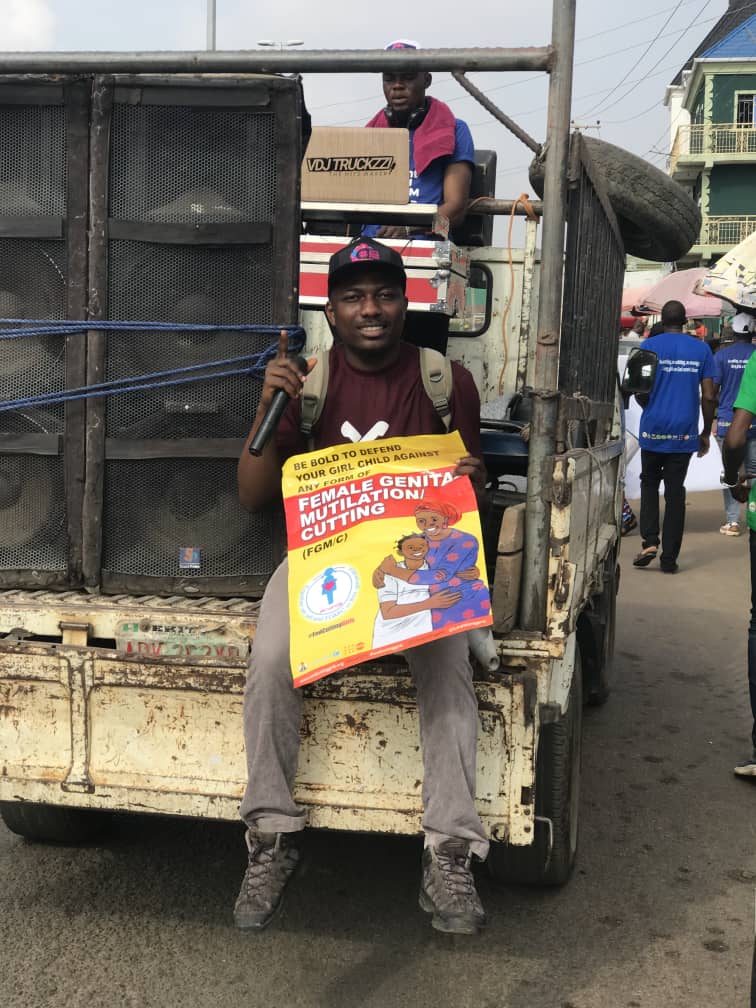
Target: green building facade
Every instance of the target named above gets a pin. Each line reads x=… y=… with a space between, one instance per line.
x=714 y=146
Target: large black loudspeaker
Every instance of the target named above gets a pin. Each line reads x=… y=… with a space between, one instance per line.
x=477 y=229
x=195 y=219
x=43 y=212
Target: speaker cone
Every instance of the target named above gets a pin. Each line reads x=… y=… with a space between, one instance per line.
x=32 y=503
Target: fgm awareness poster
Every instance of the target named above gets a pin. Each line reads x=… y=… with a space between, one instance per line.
x=384 y=551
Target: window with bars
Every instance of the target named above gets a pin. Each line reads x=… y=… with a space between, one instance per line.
x=745 y=110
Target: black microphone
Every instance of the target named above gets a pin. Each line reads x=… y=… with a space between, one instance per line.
x=273 y=414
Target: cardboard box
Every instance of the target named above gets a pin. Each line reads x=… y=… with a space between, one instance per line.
x=353 y=165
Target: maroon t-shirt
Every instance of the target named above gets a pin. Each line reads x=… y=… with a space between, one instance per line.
x=389 y=403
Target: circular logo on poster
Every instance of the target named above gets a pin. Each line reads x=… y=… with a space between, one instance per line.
x=329 y=594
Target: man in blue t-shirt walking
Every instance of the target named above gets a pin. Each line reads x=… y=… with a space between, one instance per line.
x=669 y=433
x=730 y=361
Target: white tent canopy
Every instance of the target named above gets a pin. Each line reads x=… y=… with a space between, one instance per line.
x=734 y=276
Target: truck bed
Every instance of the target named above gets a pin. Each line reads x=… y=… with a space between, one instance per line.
x=135 y=703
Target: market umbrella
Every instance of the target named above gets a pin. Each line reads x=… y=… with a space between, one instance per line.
x=632 y=296
x=734 y=276
x=679 y=286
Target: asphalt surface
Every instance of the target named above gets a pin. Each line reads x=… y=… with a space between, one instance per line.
x=659 y=913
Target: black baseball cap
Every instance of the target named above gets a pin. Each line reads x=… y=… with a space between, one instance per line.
x=364 y=252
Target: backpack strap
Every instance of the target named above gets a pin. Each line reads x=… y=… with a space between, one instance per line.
x=313 y=395
x=436 y=372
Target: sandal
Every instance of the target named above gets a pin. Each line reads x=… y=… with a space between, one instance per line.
x=646 y=556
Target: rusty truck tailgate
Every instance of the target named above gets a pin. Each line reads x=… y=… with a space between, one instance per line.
x=107 y=702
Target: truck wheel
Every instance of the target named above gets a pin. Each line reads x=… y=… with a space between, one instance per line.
x=657 y=217
x=550 y=858
x=52 y=823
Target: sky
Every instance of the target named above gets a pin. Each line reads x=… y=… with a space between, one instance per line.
x=625 y=55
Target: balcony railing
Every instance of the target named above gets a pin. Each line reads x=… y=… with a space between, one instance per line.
x=726 y=230
x=712 y=138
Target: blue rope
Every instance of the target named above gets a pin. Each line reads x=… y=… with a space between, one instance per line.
x=63 y=327
x=157 y=379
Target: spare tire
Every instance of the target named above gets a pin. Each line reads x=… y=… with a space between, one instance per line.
x=658 y=220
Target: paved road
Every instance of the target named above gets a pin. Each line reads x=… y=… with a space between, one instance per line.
x=659 y=913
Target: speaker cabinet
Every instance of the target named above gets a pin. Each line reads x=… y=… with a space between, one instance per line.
x=43 y=251
x=477 y=229
x=195 y=219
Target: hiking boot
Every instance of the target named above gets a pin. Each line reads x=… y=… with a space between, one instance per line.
x=448 y=889
x=272 y=861
x=747 y=768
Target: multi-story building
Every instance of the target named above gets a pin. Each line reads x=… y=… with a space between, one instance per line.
x=712 y=104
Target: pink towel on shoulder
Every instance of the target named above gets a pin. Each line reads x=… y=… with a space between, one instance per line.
x=435 y=137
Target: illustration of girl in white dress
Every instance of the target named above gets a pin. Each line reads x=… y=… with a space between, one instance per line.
x=404 y=609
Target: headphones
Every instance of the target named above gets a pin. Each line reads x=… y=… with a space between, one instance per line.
x=414 y=119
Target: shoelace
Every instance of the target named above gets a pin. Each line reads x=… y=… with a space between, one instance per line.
x=455 y=870
x=261 y=861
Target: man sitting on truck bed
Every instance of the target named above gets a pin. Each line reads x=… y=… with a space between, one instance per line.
x=374 y=382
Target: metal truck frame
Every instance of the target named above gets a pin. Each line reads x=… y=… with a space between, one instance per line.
x=86 y=726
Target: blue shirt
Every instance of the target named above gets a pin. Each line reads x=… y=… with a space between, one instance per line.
x=670 y=421
x=429 y=186
x=730 y=362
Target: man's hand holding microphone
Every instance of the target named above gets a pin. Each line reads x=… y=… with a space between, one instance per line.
x=284 y=378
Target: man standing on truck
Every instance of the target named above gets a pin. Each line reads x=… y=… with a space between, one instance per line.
x=669 y=433
x=374 y=383
x=441 y=162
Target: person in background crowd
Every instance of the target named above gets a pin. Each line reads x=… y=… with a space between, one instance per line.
x=698 y=329
x=730 y=362
x=629 y=521
x=733 y=453
x=639 y=328
x=669 y=433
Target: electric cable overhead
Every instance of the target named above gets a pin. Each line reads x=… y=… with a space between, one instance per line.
x=646 y=77
x=678 y=34
x=531 y=77
x=668 y=129
x=590 y=94
x=650 y=46
x=661 y=59
x=638 y=115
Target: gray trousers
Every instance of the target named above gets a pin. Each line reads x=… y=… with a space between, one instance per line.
x=447 y=708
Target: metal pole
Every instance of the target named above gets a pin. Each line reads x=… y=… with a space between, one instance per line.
x=496 y=112
x=284 y=61
x=210 y=25
x=545 y=399
x=502 y=208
